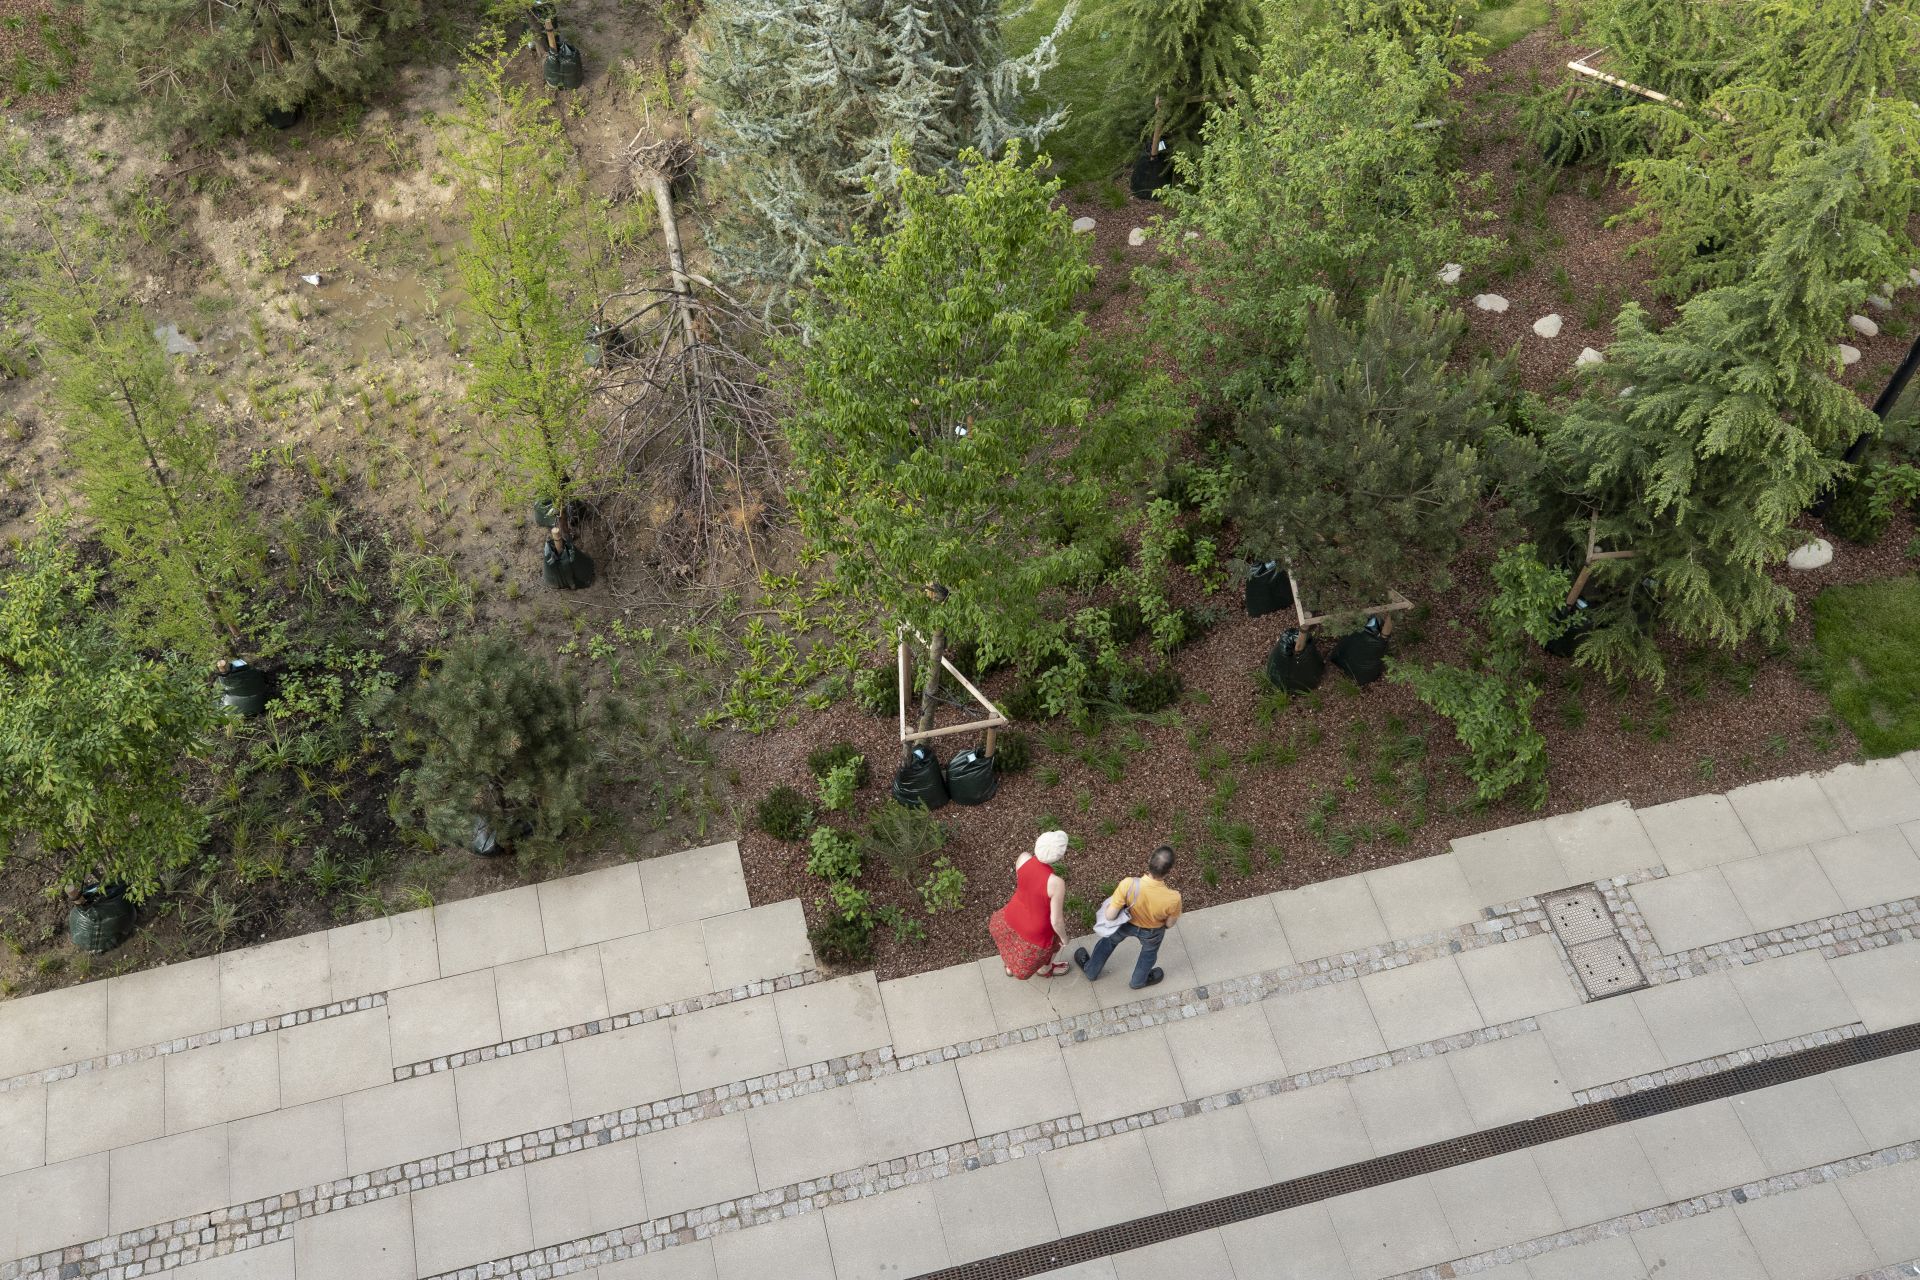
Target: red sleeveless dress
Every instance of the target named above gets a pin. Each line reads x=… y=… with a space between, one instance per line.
x=1023 y=929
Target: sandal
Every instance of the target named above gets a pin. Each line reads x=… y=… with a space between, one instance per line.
x=1054 y=970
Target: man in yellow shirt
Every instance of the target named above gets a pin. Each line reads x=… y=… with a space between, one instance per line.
x=1151 y=908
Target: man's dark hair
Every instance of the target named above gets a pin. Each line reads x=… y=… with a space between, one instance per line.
x=1161 y=862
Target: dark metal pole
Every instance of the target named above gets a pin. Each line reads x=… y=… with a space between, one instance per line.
x=1889 y=396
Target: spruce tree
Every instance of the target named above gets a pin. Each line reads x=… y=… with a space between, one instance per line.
x=1180 y=59
x=819 y=106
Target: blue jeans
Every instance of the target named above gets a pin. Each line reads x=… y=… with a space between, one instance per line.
x=1149 y=948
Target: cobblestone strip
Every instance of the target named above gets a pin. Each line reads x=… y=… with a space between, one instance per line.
x=1899 y=1271
x=600 y=1026
x=1835 y=935
x=239 y=1031
x=1713 y=1066
x=1644 y=1218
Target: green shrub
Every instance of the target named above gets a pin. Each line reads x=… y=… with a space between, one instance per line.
x=842 y=941
x=1492 y=717
x=1126 y=621
x=1012 y=753
x=784 y=814
x=876 y=691
x=839 y=784
x=904 y=838
x=1023 y=703
x=1862 y=506
x=1138 y=689
x=945 y=889
x=823 y=760
x=835 y=856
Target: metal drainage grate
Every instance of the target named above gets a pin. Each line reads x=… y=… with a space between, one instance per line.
x=1211 y=1214
x=1580 y=915
x=1584 y=924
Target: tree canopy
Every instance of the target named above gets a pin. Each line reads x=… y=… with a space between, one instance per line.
x=1180 y=59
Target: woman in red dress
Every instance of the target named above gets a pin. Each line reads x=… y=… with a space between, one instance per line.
x=1033 y=924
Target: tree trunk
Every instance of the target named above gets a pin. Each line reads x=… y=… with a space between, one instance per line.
x=936 y=648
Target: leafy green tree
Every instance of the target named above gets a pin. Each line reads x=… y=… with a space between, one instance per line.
x=94 y=736
x=1180 y=59
x=182 y=538
x=818 y=107
x=1362 y=480
x=1323 y=179
x=949 y=425
x=527 y=268
x=215 y=69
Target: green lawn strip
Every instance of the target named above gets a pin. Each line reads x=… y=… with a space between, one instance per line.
x=1869 y=638
x=1501 y=22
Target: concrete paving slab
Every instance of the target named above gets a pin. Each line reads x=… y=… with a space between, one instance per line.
x=382 y=954
x=1419 y=1002
x=585 y=1192
x=1613 y=1258
x=660 y=967
x=1096 y=1184
x=154 y=1006
x=223 y=1081
x=1599 y=1175
x=1393 y=1228
x=793 y=1248
x=1411 y=1104
x=370 y=1241
x=1494 y=1202
x=545 y=993
x=1518 y=979
x=1876 y=793
x=1799 y=1125
x=1870 y=867
x=1697 y=1018
x=993 y=1210
x=835 y=1019
x=1423 y=896
x=1229 y=1049
x=1204 y=1157
x=1200 y=1256
x=286 y=1150
x=279 y=977
x=492 y=929
x=694 y=884
x=1122 y=1075
x=57 y=1204
x=1782 y=888
x=690 y=1261
x=1298 y=1244
x=1692 y=909
x=766 y=942
x=616 y=1069
x=1700 y=831
x=886 y=1237
x=1884 y=1099
x=1707 y=1246
x=1233 y=940
x=1806 y=1232
x=1699 y=1149
x=1786 y=812
x=1882 y=1201
x=517 y=1094
x=23 y=1128
x=1098 y=1269
x=1020 y=1085
x=1323 y=1026
x=1599 y=843
x=578 y=911
x=1510 y=1079
x=1601 y=1042
x=1511 y=863
x=1026 y=1004
x=1330 y=918
x=942 y=1007
x=1884 y=984
x=696 y=1164
x=396 y=1123
x=262 y=1262
x=53 y=1028
x=457 y=1224
x=914 y=1111
x=168 y=1178
x=1308 y=1130
x=728 y=1042
x=1793 y=995
x=99 y=1110
x=334 y=1056
x=812 y=1136
x=443 y=1016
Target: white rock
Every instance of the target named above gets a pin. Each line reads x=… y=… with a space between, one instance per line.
x=1084 y=225
x=1879 y=303
x=1849 y=355
x=1625 y=392
x=1813 y=555
x=1450 y=274
x=1193 y=235
x=1913 y=274
x=1548 y=326
x=312 y=280
x=1588 y=356
x=1863 y=326
x=1137 y=237
x=1489 y=302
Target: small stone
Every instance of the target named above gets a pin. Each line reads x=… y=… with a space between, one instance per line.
x=1490 y=302
x=1879 y=303
x=1863 y=326
x=1848 y=354
x=1082 y=226
x=1913 y=274
x=1813 y=555
x=1192 y=235
x=1587 y=357
x=1548 y=326
x=1137 y=237
x=1450 y=274
x=312 y=280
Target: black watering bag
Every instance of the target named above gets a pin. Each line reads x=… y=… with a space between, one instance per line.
x=972 y=778
x=918 y=781
x=1295 y=671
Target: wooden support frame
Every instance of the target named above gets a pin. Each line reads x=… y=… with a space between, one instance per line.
x=1593 y=558
x=995 y=719
x=1581 y=67
x=1395 y=604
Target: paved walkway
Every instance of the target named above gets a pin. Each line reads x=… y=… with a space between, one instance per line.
x=629 y=1074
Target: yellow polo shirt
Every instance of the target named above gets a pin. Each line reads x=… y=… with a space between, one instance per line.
x=1154 y=907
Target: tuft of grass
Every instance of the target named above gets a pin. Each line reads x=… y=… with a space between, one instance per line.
x=1869 y=661
x=1501 y=22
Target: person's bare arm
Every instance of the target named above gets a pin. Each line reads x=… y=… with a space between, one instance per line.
x=1057 y=897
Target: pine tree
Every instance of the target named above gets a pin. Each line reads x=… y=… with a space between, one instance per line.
x=1362 y=481
x=1180 y=59
x=215 y=69
x=818 y=106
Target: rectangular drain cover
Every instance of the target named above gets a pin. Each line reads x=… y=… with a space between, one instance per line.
x=1580 y=915
x=1606 y=967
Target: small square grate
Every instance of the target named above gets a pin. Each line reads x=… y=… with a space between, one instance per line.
x=1606 y=967
x=1579 y=915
